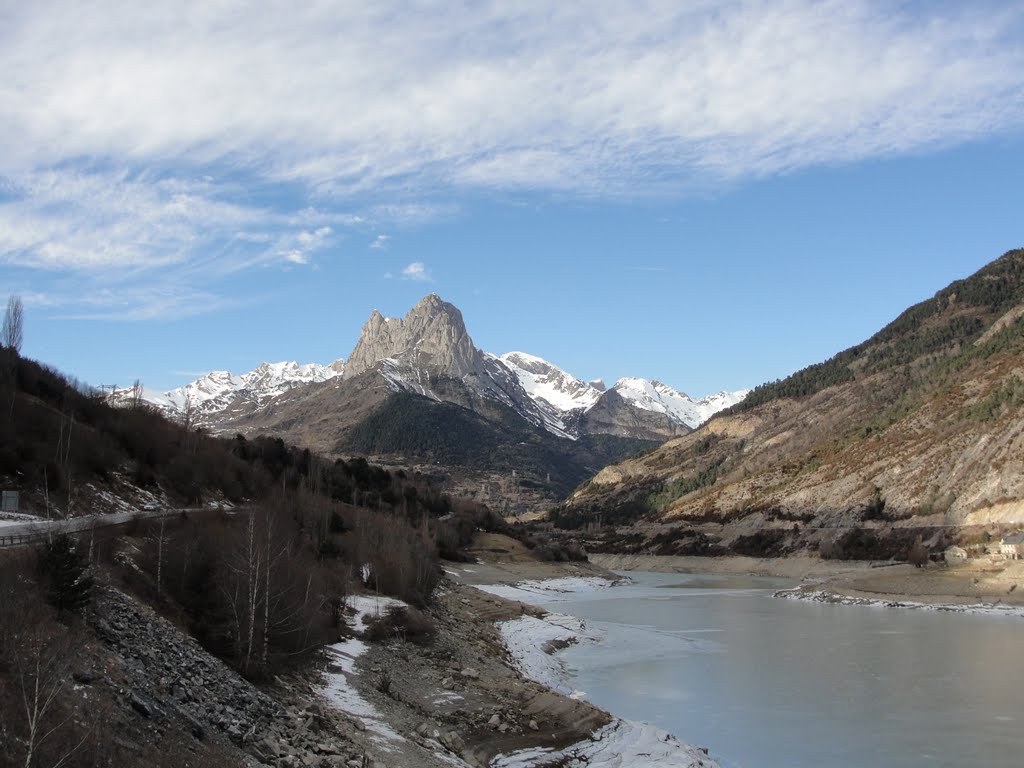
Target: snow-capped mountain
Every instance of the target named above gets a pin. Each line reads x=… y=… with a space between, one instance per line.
x=544 y=381
x=211 y=395
x=430 y=353
x=573 y=398
x=652 y=395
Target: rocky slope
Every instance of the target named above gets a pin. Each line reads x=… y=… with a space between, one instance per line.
x=455 y=702
x=917 y=426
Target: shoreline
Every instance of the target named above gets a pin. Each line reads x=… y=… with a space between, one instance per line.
x=492 y=691
x=984 y=584
x=532 y=640
x=809 y=594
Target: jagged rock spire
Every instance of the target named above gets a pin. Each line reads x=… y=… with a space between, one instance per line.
x=432 y=337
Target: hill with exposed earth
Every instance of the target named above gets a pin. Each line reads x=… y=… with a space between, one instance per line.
x=916 y=432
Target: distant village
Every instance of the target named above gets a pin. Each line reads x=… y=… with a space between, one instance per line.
x=1006 y=548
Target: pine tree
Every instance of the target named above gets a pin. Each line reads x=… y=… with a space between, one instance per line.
x=63 y=572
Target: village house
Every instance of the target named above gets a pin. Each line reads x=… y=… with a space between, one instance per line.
x=1012 y=546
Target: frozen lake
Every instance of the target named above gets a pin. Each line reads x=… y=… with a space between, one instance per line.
x=768 y=683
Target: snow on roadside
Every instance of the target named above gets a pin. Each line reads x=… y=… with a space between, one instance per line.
x=824 y=596
x=20 y=518
x=548 y=590
x=620 y=744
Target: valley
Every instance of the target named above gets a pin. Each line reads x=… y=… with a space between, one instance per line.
x=512 y=431
x=394 y=520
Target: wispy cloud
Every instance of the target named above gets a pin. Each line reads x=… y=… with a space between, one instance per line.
x=141 y=303
x=564 y=97
x=160 y=144
x=417 y=271
x=380 y=242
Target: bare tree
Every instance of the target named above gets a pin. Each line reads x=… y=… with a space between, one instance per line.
x=34 y=674
x=135 y=399
x=11 y=337
x=41 y=676
x=63 y=457
x=14 y=324
x=158 y=539
x=242 y=591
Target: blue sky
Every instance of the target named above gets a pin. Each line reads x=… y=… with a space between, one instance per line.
x=712 y=195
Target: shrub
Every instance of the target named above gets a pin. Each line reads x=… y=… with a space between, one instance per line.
x=384 y=682
x=405 y=624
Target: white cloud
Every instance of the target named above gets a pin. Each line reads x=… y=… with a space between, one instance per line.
x=570 y=96
x=417 y=271
x=113 y=229
x=157 y=141
x=380 y=242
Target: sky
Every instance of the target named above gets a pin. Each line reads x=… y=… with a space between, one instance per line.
x=709 y=193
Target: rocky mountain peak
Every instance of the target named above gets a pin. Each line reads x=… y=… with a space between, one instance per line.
x=431 y=338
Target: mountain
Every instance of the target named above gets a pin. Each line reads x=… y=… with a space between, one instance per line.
x=548 y=383
x=634 y=407
x=219 y=396
x=418 y=393
x=424 y=353
x=429 y=352
x=917 y=431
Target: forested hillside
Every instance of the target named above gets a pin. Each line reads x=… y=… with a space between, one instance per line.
x=256 y=565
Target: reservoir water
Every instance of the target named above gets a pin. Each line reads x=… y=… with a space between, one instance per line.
x=770 y=683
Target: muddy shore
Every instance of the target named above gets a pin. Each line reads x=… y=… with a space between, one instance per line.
x=973 y=582
x=456 y=701
x=464 y=699
x=462 y=702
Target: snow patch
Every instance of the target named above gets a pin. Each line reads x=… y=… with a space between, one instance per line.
x=555 y=389
x=650 y=395
x=532 y=643
x=544 y=381
x=369 y=607
x=620 y=744
x=549 y=590
x=341 y=693
x=824 y=596
x=215 y=391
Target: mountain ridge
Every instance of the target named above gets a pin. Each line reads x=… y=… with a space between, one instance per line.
x=432 y=341
x=417 y=393
x=916 y=427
